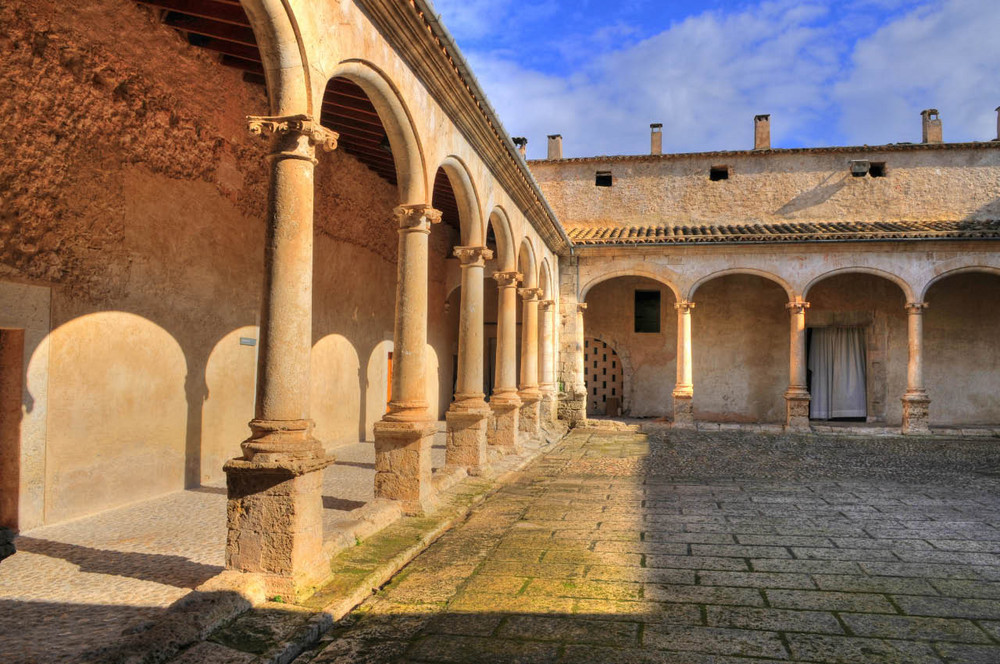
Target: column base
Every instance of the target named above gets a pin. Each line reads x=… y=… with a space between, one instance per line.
x=684 y=410
x=916 y=414
x=466 y=446
x=572 y=406
x=549 y=406
x=275 y=522
x=403 y=464
x=797 y=411
x=502 y=432
x=529 y=422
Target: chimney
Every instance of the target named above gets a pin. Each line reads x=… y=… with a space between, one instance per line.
x=555 y=146
x=932 y=126
x=998 y=124
x=522 y=145
x=656 y=138
x=762 y=132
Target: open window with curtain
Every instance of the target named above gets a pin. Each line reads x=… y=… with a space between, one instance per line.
x=837 y=380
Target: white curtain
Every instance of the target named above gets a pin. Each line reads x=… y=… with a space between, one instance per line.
x=837 y=362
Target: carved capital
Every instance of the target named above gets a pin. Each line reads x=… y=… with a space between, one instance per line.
x=473 y=256
x=581 y=307
x=915 y=308
x=417 y=218
x=546 y=305
x=684 y=306
x=507 y=279
x=797 y=307
x=529 y=294
x=283 y=125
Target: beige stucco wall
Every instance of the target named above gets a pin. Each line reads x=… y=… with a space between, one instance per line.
x=648 y=359
x=922 y=184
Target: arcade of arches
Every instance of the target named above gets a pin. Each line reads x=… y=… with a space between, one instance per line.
x=228 y=214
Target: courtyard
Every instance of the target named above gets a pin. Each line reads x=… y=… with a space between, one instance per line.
x=708 y=547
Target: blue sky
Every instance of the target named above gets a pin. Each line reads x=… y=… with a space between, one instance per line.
x=830 y=72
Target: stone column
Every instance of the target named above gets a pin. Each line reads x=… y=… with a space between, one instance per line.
x=573 y=400
x=403 y=438
x=505 y=402
x=797 y=395
x=684 y=389
x=530 y=395
x=546 y=377
x=274 y=513
x=469 y=414
x=915 y=402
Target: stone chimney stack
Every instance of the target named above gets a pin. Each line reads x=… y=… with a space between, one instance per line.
x=932 y=126
x=555 y=146
x=522 y=145
x=656 y=138
x=998 y=124
x=762 y=132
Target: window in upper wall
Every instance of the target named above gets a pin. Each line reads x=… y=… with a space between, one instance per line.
x=717 y=173
x=647 y=311
x=602 y=179
x=877 y=169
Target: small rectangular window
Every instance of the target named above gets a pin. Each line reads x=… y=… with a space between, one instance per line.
x=647 y=311
x=717 y=173
x=603 y=179
x=877 y=169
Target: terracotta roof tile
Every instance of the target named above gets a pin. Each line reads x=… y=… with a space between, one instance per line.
x=796 y=231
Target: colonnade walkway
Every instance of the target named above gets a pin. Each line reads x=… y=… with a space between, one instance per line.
x=73 y=586
x=722 y=547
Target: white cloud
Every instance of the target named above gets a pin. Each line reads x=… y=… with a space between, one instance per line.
x=825 y=76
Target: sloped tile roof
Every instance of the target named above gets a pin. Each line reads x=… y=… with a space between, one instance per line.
x=794 y=231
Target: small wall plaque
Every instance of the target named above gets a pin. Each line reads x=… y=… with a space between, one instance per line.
x=248 y=341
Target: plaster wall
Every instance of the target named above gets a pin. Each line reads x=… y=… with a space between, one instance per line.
x=648 y=360
x=739 y=338
x=960 y=182
x=962 y=349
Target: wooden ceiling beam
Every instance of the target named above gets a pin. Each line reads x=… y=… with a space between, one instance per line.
x=215 y=10
x=208 y=28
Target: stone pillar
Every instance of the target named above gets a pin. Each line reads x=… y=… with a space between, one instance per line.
x=915 y=402
x=505 y=402
x=797 y=395
x=684 y=389
x=469 y=414
x=530 y=395
x=403 y=438
x=573 y=400
x=546 y=346
x=274 y=512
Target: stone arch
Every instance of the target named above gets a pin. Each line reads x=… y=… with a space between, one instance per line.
x=283 y=55
x=545 y=279
x=985 y=269
x=607 y=276
x=506 y=258
x=741 y=270
x=896 y=279
x=527 y=265
x=407 y=152
x=469 y=209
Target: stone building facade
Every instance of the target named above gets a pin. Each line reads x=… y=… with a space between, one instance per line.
x=304 y=214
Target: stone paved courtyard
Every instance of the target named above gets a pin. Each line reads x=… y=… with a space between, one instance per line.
x=694 y=548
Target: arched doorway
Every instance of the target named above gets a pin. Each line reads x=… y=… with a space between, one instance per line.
x=604 y=378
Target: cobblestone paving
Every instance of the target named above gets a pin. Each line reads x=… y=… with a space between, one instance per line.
x=80 y=584
x=698 y=548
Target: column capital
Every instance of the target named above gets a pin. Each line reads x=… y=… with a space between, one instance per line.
x=416 y=218
x=684 y=306
x=301 y=124
x=915 y=308
x=798 y=306
x=507 y=279
x=473 y=256
x=581 y=307
x=530 y=294
x=546 y=305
